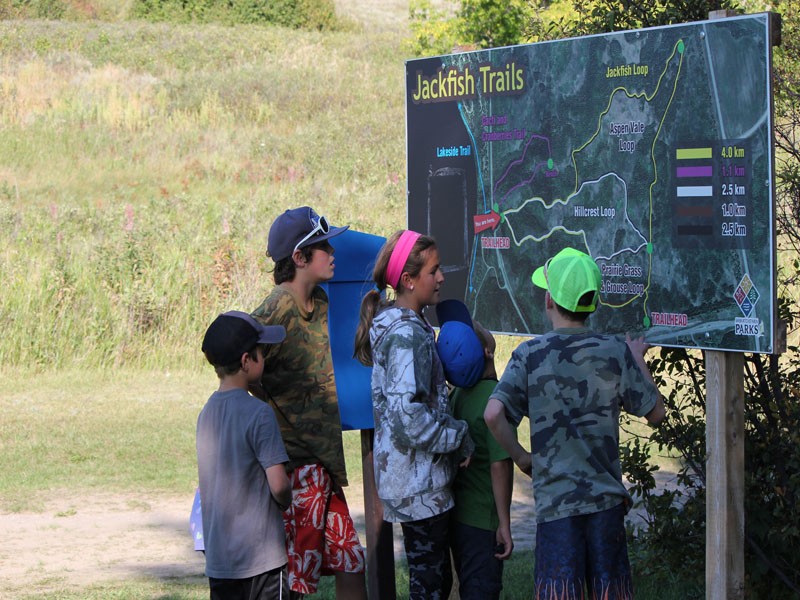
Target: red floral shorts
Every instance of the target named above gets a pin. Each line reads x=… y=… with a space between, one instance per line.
x=320 y=536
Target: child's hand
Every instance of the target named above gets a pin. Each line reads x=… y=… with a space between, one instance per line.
x=504 y=545
x=523 y=463
x=465 y=463
x=638 y=346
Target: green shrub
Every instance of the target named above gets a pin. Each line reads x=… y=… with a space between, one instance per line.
x=674 y=539
x=33 y=9
x=492 y=24
x=433 y=31
x=475 y=24
x=296 y=14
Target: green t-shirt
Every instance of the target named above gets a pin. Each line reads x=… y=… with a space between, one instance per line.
x=473 y=486
x=299 y=385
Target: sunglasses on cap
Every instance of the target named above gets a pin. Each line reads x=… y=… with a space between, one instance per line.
x=319 y=226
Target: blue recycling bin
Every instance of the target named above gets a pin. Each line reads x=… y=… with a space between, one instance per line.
x=355 y=259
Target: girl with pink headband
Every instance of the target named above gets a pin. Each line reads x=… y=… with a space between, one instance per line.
x=418 y=444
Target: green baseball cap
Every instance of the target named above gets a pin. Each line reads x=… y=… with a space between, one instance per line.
x=568 y=276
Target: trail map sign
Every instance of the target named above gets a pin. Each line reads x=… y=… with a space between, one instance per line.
x=650 y=150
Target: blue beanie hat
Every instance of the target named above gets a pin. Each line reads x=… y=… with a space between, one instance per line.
x=459 y=348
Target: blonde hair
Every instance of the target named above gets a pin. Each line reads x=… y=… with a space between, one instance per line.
x=374 y=301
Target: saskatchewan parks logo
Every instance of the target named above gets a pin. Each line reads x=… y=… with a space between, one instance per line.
x=746 y=296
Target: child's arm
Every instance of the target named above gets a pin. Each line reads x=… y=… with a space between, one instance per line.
x=279 y=485
x=502 y=473
x=412 y=422
x=506 y=435
x=639 y=348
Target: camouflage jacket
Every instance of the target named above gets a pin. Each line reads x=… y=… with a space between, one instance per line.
x=571 y=384
x=417 y=442
x=299 y=385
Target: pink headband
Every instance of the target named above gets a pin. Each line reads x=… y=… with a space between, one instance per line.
x=399 y=256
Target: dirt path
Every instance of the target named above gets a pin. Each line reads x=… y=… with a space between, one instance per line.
x=78 y=540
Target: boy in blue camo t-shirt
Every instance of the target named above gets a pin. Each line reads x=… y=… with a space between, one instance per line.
x=571 y=384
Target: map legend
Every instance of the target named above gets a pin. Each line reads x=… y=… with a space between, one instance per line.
x=710 y=208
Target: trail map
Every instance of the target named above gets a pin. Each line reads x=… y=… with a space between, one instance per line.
x=650 y=150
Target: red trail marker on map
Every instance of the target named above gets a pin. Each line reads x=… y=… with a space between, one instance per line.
x=485 y=221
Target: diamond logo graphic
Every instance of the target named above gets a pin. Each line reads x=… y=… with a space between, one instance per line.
x=746 y=283
x=746 y=295
x=746 y=307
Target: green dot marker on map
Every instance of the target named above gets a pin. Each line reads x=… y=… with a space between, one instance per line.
x=649 y=247
x=550 y=164
x=496 y=208
x=646 y=321
x=680 y=47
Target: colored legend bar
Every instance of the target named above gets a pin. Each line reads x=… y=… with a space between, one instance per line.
x=703 y=171
x=695 y=191
x=690 y=153
x=704 y=210
x=693 y=230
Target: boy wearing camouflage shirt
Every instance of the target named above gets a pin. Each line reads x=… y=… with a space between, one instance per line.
x=298 y=382
x=571 y=384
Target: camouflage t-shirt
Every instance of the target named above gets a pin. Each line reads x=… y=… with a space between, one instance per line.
x=418 y=443
x=299 y=385
x=571 y=384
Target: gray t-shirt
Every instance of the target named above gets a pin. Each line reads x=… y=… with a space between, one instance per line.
x=572 y=384
x=237 y=439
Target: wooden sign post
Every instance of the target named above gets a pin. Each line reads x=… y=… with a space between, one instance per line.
x=724 y=475
x=380 y=537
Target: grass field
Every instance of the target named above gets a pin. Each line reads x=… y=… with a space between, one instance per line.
x=142 y=165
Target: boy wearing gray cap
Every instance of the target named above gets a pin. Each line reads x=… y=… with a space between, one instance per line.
x=240 y=461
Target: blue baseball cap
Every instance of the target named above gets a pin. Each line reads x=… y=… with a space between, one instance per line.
x=297 y=228
x=459 y=348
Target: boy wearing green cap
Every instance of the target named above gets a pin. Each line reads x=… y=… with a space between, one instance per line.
x=571 y=384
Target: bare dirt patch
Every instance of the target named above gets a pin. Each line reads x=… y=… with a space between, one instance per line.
x=76 y=541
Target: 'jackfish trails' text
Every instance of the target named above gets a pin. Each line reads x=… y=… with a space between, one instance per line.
x=452 y=84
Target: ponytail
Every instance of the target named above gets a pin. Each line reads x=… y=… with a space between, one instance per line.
x=370 y=305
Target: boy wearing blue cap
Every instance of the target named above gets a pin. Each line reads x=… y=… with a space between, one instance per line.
x=241 y=466
x=481 y=527
x=572 y=383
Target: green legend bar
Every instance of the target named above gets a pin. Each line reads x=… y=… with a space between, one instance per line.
x=688 y=153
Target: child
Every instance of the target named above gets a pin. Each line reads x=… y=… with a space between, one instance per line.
x=298 y=382
x=481 y=528
x=571 y=384
x=417 y=441
x=240 y=461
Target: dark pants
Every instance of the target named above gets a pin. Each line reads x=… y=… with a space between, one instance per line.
x=272 y=585
x=480 y=574
x=588 y=550
x=430 y=575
